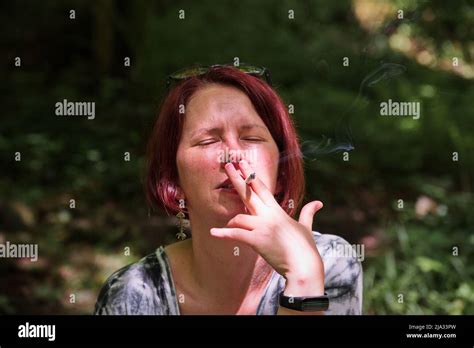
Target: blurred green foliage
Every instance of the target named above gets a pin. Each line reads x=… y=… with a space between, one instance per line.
x=394 y=158
x=426 y=265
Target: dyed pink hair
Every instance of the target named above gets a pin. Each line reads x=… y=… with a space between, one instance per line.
x=162 y=173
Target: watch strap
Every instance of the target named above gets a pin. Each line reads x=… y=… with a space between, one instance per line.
x=305 y=303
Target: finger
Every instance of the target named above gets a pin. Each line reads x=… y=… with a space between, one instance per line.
x=258 y=186
x=307 y=213
x=248 y=196
x=238 y=234
x=249 y=222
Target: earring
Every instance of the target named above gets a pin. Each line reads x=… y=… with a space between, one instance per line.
x=181 y=235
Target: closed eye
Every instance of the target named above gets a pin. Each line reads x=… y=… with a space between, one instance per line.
x=211 y=141
x=206 y=142
x=253 y=139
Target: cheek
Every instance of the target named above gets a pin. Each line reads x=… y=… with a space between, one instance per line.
x=267 y=164
x=195 y=166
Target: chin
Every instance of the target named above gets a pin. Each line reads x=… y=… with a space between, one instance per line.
x=232 y=210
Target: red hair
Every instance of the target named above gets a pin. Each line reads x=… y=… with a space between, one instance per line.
x=161 y=170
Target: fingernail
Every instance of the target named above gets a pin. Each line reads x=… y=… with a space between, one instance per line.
x=214 y=232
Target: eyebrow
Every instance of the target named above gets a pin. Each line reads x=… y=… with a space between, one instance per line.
x=215 y=129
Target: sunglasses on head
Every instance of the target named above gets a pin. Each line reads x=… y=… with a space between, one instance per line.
x=180 y=75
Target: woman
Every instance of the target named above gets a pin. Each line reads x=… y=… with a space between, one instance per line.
x=224 y=152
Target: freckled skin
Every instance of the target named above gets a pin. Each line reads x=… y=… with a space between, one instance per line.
x=199 y=168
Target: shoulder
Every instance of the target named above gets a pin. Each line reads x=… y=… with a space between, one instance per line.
x=342 y=272
x=134 y=289
x=342 y=260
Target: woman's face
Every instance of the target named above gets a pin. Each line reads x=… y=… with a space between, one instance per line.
x=221 y=124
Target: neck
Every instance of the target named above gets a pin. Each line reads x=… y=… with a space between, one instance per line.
x=227 y=270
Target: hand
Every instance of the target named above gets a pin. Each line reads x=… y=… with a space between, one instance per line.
x=287 y=245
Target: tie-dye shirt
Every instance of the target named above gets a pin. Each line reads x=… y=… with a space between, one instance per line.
x=147 y=288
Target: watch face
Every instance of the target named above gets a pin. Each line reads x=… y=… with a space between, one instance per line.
x=314 y=305
x=305 y=304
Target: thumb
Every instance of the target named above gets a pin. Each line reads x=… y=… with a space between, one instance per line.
x=307 y=213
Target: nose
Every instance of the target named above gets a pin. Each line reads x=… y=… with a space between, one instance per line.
x=233 y=156
x=233 y=153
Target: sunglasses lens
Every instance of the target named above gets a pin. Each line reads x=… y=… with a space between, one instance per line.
x=186 y=73
x=200 y=70
x=251 y=70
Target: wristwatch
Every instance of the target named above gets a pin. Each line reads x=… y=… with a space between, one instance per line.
x=305 y=303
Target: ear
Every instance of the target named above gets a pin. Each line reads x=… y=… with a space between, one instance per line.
x=179 y=193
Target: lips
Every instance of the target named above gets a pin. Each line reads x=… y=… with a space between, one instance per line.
x=226 y=184
x=226 y=187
